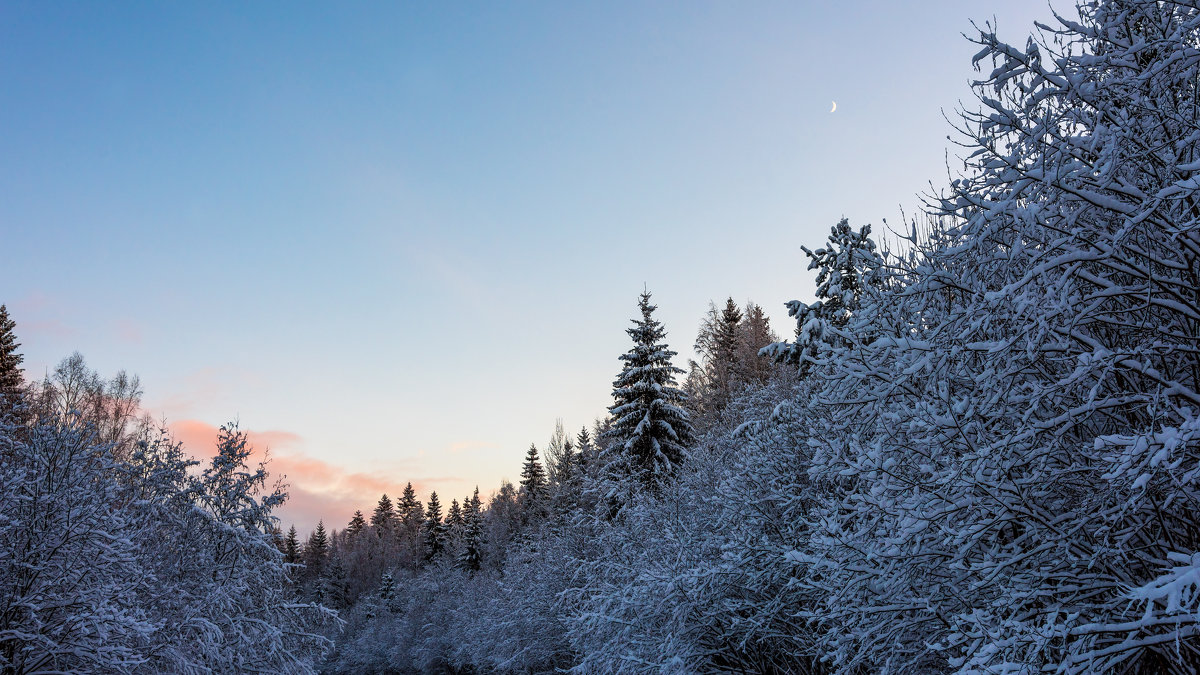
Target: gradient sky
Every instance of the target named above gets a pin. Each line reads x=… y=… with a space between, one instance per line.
x=398 y=240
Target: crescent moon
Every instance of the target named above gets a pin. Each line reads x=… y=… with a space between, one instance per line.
x=834 y=107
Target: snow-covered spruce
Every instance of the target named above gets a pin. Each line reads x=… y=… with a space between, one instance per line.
x=650 y=429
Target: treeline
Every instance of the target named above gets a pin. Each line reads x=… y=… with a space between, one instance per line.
x=481 y=586
x=978 y=452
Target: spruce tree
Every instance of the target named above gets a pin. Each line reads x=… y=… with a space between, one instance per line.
x=291 y=547
x=471 y=557
x=454 y=516
x=10 y=361
x=435 y=530
x=412 y=519
x=357 y=523
x=727 y=339
x=533 y=476
x=847 y=268
x=650 y=428
x=586 y=450
x=565 y=493
x=727 y=362
x=316 y=550
x=409 y=507
x=844 y=269
x=384 y=514
x=533 y=487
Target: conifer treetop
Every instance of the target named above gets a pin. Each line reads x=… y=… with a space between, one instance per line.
x=10 y=358
x=533 y=475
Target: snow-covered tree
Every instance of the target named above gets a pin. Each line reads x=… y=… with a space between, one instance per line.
x=383 y=516
x=533 y=486
x=357 y=523
x=454 y=515
x=411 y=514
x=650 y=430
x=1017 y=443
x=471 y=555
x=335 y=586
x=135 y=562
x=387 y=586
x=316 y=551
x=434 y=528
x=69 y=576
x=10 y=361
x=291 y=547
x=245 y=594
x=846 y=268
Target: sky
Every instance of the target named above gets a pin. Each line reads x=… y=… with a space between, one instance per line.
x=396 y=241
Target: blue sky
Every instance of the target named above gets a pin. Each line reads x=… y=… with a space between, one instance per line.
x=398 y=240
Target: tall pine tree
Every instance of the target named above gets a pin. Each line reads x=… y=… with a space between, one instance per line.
x=586 y=450
x=471 y=555
x=384 y=514
x=412 y=519
x=650 y=428
x=454 y=516
x=316 y=551
x=410 y=510
x=357 y=523
x=533 y=487
x=727 y=339
x=291 y=547
x=10 y=361
x=533 y=475
x=435 y=529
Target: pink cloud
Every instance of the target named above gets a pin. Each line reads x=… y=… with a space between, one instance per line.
x=200 y=438
x=317 y=490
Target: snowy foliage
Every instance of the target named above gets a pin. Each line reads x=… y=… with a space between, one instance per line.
x=1013 y=446
x=847 y=268
x=138 y=564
